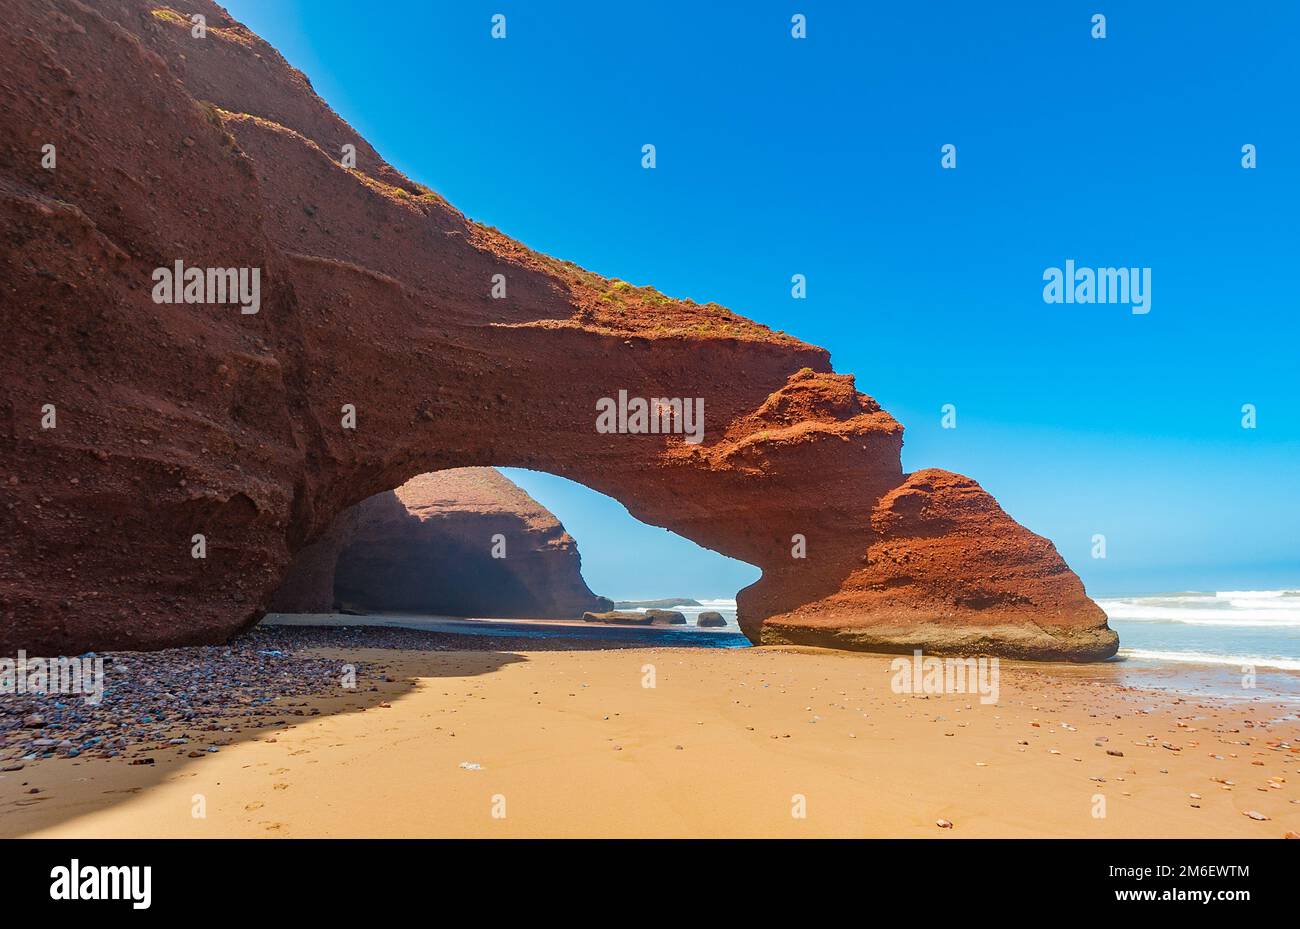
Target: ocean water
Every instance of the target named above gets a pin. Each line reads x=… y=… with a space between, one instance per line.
x=1234 y=628
x=1229 y=628
x=1193 y=643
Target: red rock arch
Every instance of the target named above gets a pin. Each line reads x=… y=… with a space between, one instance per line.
x=178 y=419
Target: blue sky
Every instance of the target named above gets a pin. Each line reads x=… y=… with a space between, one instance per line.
x=822 y=157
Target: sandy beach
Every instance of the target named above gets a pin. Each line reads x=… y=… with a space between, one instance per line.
x=477 y=739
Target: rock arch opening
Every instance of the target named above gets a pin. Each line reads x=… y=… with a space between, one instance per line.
x=475 y=542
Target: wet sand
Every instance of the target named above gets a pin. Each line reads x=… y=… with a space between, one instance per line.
x=503 y=739
x=549 y=629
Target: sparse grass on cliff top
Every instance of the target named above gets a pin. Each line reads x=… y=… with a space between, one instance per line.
x=620 y=307
x=239 y=36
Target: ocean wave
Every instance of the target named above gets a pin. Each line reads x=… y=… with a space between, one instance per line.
x=1256 y=594
x=1194 y=617
x=1258 y=661
x=1259 y=608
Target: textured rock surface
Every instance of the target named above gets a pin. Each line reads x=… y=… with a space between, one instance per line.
x=428 y=547
x=944 y=550
x=666 y=617
x=619 y=618
x=177 y=420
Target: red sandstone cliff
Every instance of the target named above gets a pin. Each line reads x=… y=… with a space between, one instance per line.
x=182 y=420
x=464 y=542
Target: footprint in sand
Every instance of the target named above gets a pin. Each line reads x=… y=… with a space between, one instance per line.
x=280 y=786
x=255 y=805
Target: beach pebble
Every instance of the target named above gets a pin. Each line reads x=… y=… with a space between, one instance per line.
x=1255 y=814
x=471 y=766
x=943 y=823
x=1114 y=751
x=151 y=699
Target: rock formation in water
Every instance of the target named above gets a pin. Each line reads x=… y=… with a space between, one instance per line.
x=656 y=604
x=464 y=542
x=161 y=462
x=619 y=618
x=666 y=617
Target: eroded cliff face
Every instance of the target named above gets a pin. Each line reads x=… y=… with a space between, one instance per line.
x=464 y=542
x=179 y=420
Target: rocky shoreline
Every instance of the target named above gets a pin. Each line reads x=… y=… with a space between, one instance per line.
x=195 y=700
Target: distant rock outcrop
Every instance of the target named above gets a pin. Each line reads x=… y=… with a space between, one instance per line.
x=463 y=542
x=663 y=604
x=618 y=618
x=710 y=618
x=666 y=617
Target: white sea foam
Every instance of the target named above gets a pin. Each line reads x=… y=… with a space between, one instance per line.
x=1225 y=628
x=1239 y=661
x=1255 y=594
x=1243 y=608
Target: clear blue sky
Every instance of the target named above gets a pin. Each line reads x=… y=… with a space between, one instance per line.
x=821 y=157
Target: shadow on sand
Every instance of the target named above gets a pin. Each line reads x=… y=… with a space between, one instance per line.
x=48 y=791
